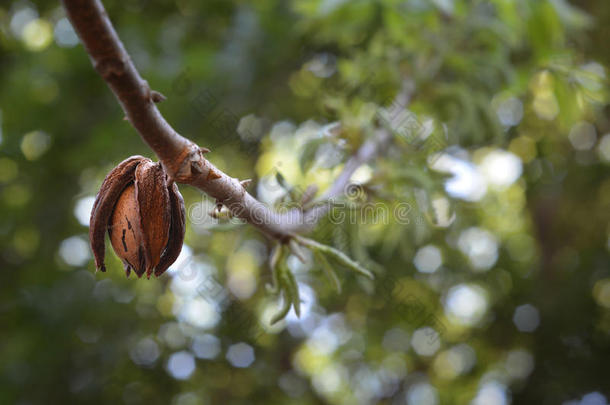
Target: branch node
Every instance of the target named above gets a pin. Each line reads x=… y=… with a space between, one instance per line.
x=212 y=175
x=245 y=183
x=189 y=163
x=110 y=66
x=196 y=168
x=156 y=96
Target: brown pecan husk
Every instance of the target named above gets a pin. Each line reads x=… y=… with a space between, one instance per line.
x=144 y=215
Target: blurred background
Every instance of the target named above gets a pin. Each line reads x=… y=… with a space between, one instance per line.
x=490 y=233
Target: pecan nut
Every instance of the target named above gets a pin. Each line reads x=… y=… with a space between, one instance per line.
x=143 y=213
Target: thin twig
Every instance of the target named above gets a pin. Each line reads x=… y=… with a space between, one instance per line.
x=367 y=152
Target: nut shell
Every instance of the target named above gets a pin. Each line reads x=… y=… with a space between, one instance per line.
x=177 y=229
x=126 y=233
x=112 y=187
x=155 y=212
x=143 y=214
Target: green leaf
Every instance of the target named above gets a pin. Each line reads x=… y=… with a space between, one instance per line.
x=308 y=153
x=330 y=272
x=292 y=287
x=283 y=311
x=335 y=254
x=276 y=257
x=281 y=180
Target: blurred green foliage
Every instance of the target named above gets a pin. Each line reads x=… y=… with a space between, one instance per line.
x=492 y=259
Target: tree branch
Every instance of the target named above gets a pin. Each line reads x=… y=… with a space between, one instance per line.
x=183 y=159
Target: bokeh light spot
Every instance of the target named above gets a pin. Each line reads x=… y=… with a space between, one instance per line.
x=467 y=182
x=16 y=194
x=583 y=136
x=145 y=352
x=519 y=364
x=37 y=34
x=206 y=346
x=491 y=393
x=64 y=33
x=458 y=360
x=8 y=170
x=181 y=365
x=426 y=341
x=501 y=168
x=466 y=304
x=601 y=292
x=328 y=380
x=480 y=246
x=242 y=269
x=21 y=18
x=171 y=334
x=240 y=355
x=422 y=394
x=82 y=209
x=197 y=312
x=34 y=144
x=594 y=398
x=603 y=149
x=74 y=251
x=428 y=259
x=526 y=318
x=509 y=111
